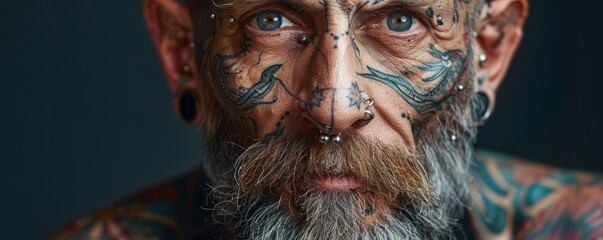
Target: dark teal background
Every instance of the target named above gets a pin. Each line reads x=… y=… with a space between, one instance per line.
x=85 y=117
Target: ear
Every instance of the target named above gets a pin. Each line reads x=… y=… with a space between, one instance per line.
x=500 y=29
x=171 y=29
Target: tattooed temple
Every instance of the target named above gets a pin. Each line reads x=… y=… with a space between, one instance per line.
x=345 y=119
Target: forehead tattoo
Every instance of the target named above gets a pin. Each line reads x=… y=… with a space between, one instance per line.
x=295 y=4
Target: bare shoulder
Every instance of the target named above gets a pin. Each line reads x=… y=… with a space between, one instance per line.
x=517 y=199
x=168 y=210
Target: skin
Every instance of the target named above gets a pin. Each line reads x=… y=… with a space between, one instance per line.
x=316 y=73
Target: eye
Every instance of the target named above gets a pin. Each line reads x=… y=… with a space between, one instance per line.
x=270 y=21
x=400 y=22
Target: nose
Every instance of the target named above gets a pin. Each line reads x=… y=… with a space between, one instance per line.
x=335 y=99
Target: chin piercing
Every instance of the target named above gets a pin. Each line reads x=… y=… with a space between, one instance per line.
x=482 y=60
x=231 y=20
x=325 y=138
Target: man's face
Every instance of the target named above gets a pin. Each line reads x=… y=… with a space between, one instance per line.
x=286 y=72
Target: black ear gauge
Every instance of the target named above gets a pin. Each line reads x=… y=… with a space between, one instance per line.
x=188 y=106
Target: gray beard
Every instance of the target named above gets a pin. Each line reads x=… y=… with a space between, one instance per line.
x=329 y=215
x=336 y=215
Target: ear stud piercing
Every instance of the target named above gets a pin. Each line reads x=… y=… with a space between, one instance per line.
x=231 y=20
x=482 y=60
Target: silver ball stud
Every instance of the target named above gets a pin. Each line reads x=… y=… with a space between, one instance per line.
x=231 y=20
x=212 y=16
x=454 y=137
x=324 y=138
x=474 y=34
x=304 y=39
x=337 y=138
x=483 y=58
x=460 y=87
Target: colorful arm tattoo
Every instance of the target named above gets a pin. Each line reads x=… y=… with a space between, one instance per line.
x=518 y=200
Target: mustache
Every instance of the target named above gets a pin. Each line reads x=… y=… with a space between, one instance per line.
x=294 y=160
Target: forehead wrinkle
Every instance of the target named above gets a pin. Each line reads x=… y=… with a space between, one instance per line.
x=231 y=4
x=235 y=5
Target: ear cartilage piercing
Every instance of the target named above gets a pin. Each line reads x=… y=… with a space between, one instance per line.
x=212 y=16
x=453 y=137
x=231 y=20
x=460 y=87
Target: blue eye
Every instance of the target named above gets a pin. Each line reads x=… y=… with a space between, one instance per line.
x=399 y=22
x=270 y=21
